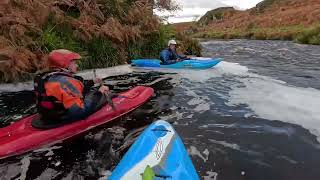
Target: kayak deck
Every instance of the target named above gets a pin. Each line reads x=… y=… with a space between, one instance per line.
x=21 y=137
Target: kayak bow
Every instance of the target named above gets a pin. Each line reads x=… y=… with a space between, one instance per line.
x=158 y=153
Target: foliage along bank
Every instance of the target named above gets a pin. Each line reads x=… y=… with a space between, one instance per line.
x=106 y=33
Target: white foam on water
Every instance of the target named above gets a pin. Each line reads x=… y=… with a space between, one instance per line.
x=272 y=100
x=193 y=151
x=201 y=103
x=49 y=149
x=48 y=173
x=25 y=163
x=221 y=69
x=192 y=75
x=57 y=163
x=190 y=116
x=211 y=176
x=200 y=78
x=195 y=101
x=175 y=114
x=225 y=67
x=206 y=152
x=202 y=107
x=286 y=158
x=105 y=174
x=225 y=144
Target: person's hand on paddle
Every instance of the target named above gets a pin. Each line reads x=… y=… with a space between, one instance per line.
x=97 y=81
x=104 y=89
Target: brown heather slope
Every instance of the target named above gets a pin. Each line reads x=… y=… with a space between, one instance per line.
x=270 y=19
x=283 y=13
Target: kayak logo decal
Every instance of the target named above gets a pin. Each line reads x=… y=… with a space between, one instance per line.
x=187 y=65
x=115 y=103
x=159 y=149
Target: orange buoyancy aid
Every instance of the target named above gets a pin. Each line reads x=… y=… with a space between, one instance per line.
x=57 y=91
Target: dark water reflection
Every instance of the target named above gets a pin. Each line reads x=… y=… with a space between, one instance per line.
x=226 y=140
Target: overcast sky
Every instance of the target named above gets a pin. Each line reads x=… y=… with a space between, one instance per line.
x=192 y=9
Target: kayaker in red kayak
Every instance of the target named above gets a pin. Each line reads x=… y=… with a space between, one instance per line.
x=63 y=97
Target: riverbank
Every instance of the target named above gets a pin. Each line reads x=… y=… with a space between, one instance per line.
x=105 y=33
x=298 y=33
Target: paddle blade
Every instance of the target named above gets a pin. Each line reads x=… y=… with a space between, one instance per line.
x=148 y=174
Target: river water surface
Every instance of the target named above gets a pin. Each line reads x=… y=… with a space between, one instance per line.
x=255 y=116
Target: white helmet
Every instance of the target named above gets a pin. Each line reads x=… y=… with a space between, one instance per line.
x=172 y=41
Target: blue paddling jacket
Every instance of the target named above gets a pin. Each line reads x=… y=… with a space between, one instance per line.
x=167 y=56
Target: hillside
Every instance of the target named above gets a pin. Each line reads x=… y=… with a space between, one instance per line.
x=270 y=19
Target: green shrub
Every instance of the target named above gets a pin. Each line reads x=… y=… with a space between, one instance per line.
x=97 y=53
x=100 y=53
x=189 y=46
x=151 y=45
x=310 y=36
x=58 y=36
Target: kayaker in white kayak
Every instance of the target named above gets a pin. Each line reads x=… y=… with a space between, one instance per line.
x=61 y=95
x=170 y=55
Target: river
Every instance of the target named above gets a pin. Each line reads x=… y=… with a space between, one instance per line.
x=254 y=116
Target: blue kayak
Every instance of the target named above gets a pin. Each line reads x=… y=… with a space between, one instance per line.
x=186 y=64
x=157 y=154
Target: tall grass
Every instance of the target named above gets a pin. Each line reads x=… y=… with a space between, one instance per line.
x=100 y=53
x=97 y=53
x=276 y=33
x=58 y=36
x=150 y=46
x=189 y=46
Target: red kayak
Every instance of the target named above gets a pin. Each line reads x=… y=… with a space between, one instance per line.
x=21 y=137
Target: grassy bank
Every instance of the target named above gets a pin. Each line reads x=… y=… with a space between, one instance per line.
x=276 y=33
